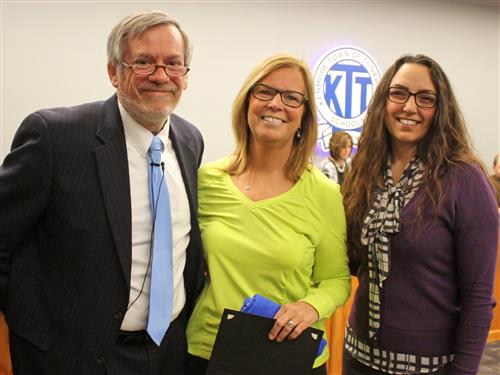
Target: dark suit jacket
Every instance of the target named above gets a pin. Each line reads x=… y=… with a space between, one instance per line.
x=65 y=233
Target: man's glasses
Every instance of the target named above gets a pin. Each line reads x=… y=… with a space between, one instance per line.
x=267 y=93
x=401 y=95
x=172 y=70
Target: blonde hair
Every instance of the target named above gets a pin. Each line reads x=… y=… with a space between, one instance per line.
x=302 y=149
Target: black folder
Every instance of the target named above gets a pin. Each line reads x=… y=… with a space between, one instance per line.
x=242 y=348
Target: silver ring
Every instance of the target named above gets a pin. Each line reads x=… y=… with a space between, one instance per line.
x=291 y=324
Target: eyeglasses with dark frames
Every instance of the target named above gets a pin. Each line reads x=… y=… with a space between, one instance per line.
x=267 y=93
x=146 y=69
x=400 y=95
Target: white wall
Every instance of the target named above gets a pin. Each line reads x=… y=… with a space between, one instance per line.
x=53 y=53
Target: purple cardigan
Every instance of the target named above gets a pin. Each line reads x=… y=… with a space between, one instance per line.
x=438 y=296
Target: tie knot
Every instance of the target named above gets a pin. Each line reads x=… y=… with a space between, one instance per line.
x=156 y=144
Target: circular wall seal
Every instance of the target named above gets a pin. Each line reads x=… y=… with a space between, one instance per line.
x=344 y=81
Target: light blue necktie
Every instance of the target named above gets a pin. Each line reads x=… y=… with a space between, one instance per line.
x=161 y=292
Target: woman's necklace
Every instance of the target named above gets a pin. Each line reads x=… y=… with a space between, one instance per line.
x=263 y=186
x=247 y=181
x=340 y=167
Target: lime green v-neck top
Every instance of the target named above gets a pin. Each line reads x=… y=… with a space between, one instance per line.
x=287 y=248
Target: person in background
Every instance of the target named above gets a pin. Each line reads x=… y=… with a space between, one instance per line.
x=272 y=224
x=77 y=229
x=423 y=232
x=340 y=146
x=495 y=178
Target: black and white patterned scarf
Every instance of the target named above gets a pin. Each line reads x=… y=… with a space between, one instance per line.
x=384 y=219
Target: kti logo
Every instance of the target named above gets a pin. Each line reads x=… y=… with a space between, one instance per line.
x=344 y=81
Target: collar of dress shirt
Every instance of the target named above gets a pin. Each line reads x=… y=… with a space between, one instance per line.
x=138 y=135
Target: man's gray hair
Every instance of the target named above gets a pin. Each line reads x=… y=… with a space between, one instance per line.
x=134 y=26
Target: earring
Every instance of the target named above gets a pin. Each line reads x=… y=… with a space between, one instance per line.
x=298 y=134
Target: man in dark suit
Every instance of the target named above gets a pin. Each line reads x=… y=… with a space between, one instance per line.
x=76 y=227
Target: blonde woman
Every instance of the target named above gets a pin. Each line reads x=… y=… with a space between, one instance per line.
x=272 y=224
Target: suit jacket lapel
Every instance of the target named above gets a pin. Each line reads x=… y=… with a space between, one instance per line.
x=187 y=161
x=112 y=167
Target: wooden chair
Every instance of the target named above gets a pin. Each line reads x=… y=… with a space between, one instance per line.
x=494 y=334
x=335 y=328
x=5 y=365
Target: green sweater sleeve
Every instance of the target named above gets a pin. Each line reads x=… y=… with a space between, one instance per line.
x=331 y=277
